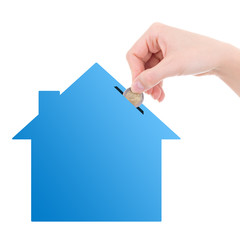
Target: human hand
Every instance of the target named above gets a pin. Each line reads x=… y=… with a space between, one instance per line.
x=164 y=51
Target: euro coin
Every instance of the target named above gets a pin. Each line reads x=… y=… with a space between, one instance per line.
x=135 y=98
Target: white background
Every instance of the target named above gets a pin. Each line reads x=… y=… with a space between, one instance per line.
x=47 y=45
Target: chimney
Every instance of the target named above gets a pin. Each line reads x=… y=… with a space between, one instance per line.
x=47 y=100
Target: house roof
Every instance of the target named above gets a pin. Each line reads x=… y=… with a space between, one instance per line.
x=95 y=96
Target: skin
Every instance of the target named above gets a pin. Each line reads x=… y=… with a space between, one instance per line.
x=165 y=51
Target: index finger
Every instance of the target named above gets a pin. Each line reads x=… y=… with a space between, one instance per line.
x=142 y=51
x=137 y=56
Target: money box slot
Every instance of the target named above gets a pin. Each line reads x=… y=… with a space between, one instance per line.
x=138 y=108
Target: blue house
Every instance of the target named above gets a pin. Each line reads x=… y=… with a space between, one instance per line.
x=95 y=157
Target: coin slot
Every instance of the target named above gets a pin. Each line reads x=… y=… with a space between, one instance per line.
x=138 y=108
x=119 y=89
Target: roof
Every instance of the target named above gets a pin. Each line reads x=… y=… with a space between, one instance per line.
x=95 y=96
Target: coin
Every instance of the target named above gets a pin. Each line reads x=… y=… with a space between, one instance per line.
x=135 y=98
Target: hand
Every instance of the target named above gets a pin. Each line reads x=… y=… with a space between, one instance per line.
x=165 y=51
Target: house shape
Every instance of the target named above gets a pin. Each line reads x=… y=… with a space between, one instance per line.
x=95 y=157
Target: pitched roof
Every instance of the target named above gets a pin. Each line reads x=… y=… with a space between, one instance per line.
x=94 y=92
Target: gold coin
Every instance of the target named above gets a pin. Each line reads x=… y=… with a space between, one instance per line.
x=135 y=98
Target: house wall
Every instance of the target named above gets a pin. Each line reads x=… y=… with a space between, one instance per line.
x=94 y=177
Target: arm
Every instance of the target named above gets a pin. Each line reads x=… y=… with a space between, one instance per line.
x=165 y=51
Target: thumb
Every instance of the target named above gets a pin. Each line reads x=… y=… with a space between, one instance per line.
x=152 y=76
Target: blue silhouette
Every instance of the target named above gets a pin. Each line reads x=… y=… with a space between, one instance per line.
x=95 y=157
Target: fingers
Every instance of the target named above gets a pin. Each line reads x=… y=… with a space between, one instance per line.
x=151 y=77
x=160 y=99
x=137 y=56
x=157 y=92
x=136 y=65
x=153 y=61
x=141 y=52
x=147 y=65
x=149 y=91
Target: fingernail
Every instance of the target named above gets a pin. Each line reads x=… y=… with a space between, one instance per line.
x=137 y=86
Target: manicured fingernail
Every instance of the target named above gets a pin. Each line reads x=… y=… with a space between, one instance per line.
x=137 y=86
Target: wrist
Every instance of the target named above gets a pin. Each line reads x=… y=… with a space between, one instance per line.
x=229 y=60
x=228 y=68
